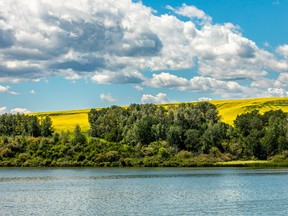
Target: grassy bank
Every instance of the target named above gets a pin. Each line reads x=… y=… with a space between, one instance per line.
x=252 y=164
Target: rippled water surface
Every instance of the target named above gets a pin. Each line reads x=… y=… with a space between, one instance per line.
x=161 y=191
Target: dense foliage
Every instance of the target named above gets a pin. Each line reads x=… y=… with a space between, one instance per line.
x=145 y=135
x=194 y=128
x=20 y=124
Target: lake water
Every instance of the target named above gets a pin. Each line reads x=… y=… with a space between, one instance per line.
x=142 y=191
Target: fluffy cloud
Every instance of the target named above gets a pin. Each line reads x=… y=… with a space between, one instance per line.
x=160 y=98
x=3 y=110
x=6 y=89
x=204 y=99
x=14 y=110
x=207 y=84
x=138 y=88
x=123 y=77
x=107 y=97
x=20 y=110
x=167 y=80
x=83 y=38
x=265 y=83
x=196 y=84
x=283 y=50
x=283 y=79
x=191 y=12
x=113 y=42
x=276 y=92
x=80 y=36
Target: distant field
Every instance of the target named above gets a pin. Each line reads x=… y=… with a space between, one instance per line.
x=67 y=120
x=228 y=109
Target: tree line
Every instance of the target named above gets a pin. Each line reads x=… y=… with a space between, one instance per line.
x=145 y=135
x=193 y=127
x=20 y=124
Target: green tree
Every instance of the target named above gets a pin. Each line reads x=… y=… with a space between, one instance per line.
x=275 y=140
x=143 y=130
x=192 y=140
x=34 y=127
x=247 y=122
x=46 y=127
x=175 y=136
x=78 y=136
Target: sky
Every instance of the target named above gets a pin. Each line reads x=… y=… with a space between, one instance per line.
x=78 y=54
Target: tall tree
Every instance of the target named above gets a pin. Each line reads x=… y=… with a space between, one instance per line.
x=34 y=127
x=46 y=127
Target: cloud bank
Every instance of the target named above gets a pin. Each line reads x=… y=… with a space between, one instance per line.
x=113 y=42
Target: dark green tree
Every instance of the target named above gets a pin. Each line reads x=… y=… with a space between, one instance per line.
x=46 y=127
x=78 y=136
x=175 y=136
x=34 y=127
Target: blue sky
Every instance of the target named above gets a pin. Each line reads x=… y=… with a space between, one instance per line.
x=76 y=54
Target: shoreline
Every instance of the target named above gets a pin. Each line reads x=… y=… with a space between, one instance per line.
x=231 y=164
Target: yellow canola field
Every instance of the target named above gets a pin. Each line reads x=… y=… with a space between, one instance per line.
x=67 y=120
x=228 y=110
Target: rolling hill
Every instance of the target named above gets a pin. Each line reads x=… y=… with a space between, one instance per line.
x=228 y=110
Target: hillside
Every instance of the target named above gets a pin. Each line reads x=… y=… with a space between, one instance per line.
x=66 y=120
x=228 y=109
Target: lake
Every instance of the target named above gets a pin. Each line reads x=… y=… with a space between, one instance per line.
x=143 y=191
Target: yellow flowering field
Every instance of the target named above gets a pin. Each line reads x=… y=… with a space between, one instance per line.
x=228 y=110
x=67 y=120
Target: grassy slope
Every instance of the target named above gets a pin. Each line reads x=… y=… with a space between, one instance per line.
x=228 y=109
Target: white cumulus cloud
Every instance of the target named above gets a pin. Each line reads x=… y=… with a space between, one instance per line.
x=20 y=110
x=204 y=99
x=196 y=84
x=283 y=50
x=84 y=38
x=167 y=80
x=138 y=88
x=107 y=97
x=115 y=41
x=123 y=77
x=7 y=89
x=160 y=98
x=191 y=12
x=3 y=110
x=276 y=92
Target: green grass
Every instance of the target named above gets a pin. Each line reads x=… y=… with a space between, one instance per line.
x=252 y=164
x=239 y=162
x=228 y=110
